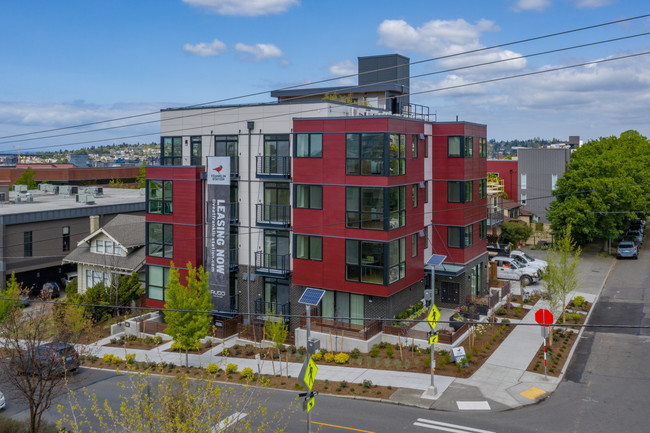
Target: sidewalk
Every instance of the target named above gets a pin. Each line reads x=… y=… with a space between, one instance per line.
x=502 y=382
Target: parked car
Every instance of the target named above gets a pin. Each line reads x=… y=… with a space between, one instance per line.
x=508 y=268
x=69 y=276
x=3 y=402
x=627 y=249
x=48 y=360
x=634 y=234
x=526 y=260
x=497 y=249
x=49 y=289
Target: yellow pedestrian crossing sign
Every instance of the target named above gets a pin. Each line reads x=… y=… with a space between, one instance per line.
x=308 y=373
x=433 y=316
x=433 y=339
x=309 y=403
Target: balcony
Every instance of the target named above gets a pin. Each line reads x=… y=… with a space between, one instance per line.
x=234 y=259
x=273 y=215
x=272 y=265
x=264 y=309
x=273 y=167
x=234 y=213
x=494 y=218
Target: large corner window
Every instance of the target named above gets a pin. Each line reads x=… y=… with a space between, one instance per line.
x=397 y=154
x=159 y=196
x=364 y=154
x=397 y=260
x=482 y=229
x=308 y=145
x=482 y=188
x=460 y=146
x=309 y=196
x=460 y=192
x=172 y=151
x=309 y=247
x=469 y=147
x=195 y=151
x=226 y=145
x=365 y=207
x=364 y=261
x=482 y=147
x=160 y=240
x=460 y=237
x=157 y=280
x=469 y=191
x=414 y=145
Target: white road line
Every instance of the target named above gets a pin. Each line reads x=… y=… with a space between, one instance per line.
x=228 y=421
x=473 y=405
x=443 y=426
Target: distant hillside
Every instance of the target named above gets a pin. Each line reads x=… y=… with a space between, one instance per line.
x=502 y=148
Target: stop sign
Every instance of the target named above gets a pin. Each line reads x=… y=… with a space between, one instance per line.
x=544 y=317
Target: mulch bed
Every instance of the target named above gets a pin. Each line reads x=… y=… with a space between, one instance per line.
x=556 y=354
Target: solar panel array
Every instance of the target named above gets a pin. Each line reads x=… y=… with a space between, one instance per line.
x=436 y=259
x=311 y=296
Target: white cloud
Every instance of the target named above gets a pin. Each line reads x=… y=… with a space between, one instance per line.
x=346 y=67
x=585 y=4
x=259 y=51
x=244 y=7
x=532 y=5
x=206 y=49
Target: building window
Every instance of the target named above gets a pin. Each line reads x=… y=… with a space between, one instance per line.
x=414 y=145
x=195 y=150
x=159 y=196
x=482 y=229
x=309 y=196
x=172 y=151
x=469 y=191
x=397 y=260
x=364 y=154
x=99 y=246
x=469 y=147
x=426 y=148
x=454 y=192
x=226 y=145
x=160 y=240
x=414 y=245
x=523 y=181
x=65 y=236
x=108 y=247
x=94 y=278
x=27 y=244
x=157 y=280
x=454 y=147
x=308 y=145
x=482 y=147
x=364 y=208
x=553 y=182
x=397 y=154
x=309 y=247
x=524 y=199
x=426 y=191
x=482 y=188
x=469 y=236
x=454 y=236
x=343 y=306
x=414 y=194
x=364 y=261
x=397 y=207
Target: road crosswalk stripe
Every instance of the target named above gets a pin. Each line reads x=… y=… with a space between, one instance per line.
x=443 y=426
x=228 y=421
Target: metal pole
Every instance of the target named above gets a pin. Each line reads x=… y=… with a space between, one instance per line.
x=250 y=225
x=545 y=359
x=308 y=354
x=433 y=367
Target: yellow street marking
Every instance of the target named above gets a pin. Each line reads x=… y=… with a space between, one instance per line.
x=533 y=393
x=340 y=426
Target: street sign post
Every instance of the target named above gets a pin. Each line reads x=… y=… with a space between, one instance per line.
x=432 y=319
x=545 y=318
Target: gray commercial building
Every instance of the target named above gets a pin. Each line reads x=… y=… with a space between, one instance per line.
x=38 y=228
x=539 y=171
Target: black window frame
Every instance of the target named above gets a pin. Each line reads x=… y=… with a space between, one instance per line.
x=414 y=145
x=482 y=147
x=166 y=206
x=465 y=236
x=228 y=145
x=482 y=229
x=397 y=163
x=468 y=150
x=310 y=239
x=356 y=217
x=165 y=244
x=482 y=189
x=172 y=155
x=309 y=192
x=311 y=152
x=196 y=150
x=414 y=195
x=65 y=238
x=28 y=240
x=360 y=158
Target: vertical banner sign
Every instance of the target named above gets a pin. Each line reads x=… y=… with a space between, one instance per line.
x=217 y=245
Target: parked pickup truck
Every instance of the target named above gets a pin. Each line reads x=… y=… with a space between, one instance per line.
x=508 y=268
x=497 y=249
x=526 y=260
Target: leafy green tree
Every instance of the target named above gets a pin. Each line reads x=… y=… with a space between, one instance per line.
x=277 y=331
x=11 y=292
x=512 y=232
x=27 y=178
x=142 y=177
x=187 y=327
x=606 y=183
x=561 y=275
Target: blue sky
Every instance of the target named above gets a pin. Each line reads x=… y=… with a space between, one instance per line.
x=82 y=61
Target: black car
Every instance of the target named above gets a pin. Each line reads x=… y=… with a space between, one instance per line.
x=48 y=360
x=49 y=289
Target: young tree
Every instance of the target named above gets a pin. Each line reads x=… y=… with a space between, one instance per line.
x=561 y=276
x=188 y=327
x=277 y=331
x=27 y=178
x=12 y=295
x=512 y=232
x=142 y=177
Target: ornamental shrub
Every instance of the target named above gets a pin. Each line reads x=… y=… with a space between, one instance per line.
x=341 y=358
x=212 y=368
x=389 y=352
x=231 y=368
x=247 y=373
x=328 y=357
x=578 y=301
x=130 y=358
x=317 y=356
x=576 y=317
x=374 y=352
x=355 y=353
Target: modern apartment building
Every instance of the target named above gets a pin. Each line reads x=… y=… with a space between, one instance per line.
x=352 y=199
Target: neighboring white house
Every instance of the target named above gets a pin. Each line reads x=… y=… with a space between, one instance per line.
x=108 y=252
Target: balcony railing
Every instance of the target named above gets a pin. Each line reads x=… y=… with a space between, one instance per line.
x=234 y=213
x=494 y=219
x=273 y=167
x=234 y=259
x=264 y=309
x=272 y=265
x=272 y=215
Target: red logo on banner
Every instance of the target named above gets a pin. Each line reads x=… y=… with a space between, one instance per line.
x=218 y=169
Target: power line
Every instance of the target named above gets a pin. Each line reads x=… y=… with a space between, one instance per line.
x=338 y=78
